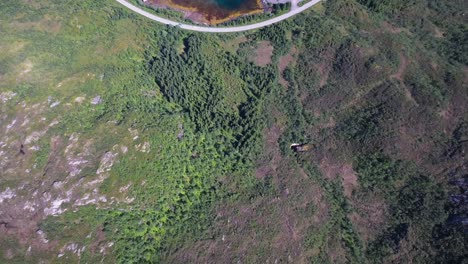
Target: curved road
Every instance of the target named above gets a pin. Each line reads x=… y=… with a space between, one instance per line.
x=219 y=29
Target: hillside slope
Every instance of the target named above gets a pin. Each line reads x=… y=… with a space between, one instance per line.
x=122 y=140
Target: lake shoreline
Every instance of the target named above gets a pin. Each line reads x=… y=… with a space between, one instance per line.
x=200 y=16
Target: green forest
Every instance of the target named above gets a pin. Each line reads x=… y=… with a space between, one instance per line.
x=127 y=141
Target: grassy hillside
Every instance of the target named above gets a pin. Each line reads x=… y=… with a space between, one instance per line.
x=127 y=141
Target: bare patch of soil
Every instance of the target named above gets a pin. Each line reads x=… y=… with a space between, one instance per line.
x=394 y=30
x=438 y=33
x=25 y=68
x=233 y=45
x=369 y=216
x=330 y=123
x=263 y=53
x=332 y=168
x=272 y=150
x=449 y=118
x=399 y=75
x=409 y=96
x=349 y=179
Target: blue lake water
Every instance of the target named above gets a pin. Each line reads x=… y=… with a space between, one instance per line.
x=229 y=4
x=215 y=10
x=220 y=7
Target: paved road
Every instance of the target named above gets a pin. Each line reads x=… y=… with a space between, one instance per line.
x=220 y=29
